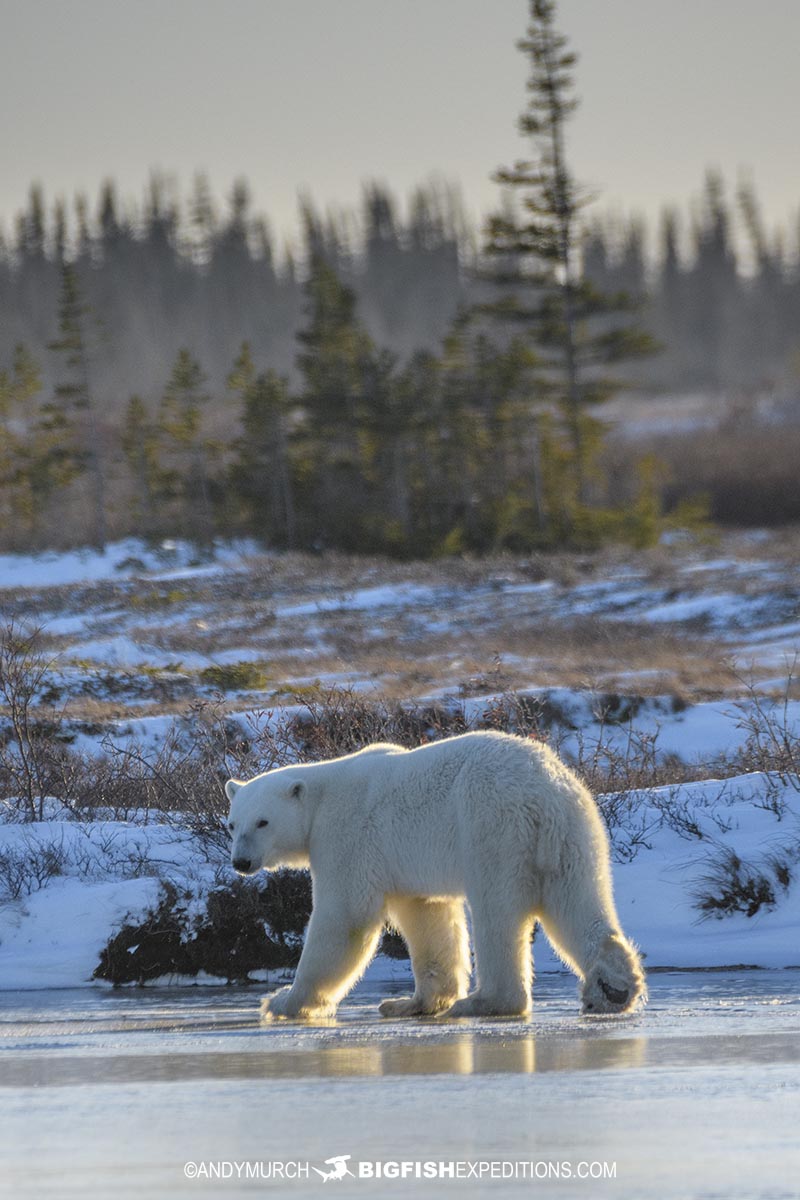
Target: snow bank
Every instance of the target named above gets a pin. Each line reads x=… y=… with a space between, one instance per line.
x=664 y=842
x=53 y=938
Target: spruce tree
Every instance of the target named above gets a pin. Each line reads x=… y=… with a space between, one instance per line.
x=387 y=433
x=670 y=301
x=183 y=452
x=713 y=291
x=766 y=324
x=575 y=327
x=333 y=349
x=335 y=354
x=19 y=388
x=262 y=475
x=140 y=445
x=70 y=431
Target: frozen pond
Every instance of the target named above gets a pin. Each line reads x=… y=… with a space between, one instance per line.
x=111 y=1093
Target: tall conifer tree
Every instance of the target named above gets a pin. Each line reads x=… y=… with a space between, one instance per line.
x=19 y=388
x=262 y=473
x=183 y=450
x=70 y=425
x=538 y=243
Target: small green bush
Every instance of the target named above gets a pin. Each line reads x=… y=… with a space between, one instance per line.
x=235 y=677
x=231 y=938
x=150 y=949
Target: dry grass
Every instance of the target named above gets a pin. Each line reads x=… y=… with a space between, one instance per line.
x=480 y=631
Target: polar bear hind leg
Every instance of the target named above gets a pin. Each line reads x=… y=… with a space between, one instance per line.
x=436 y=935
x=584 y=931
x=501 y=933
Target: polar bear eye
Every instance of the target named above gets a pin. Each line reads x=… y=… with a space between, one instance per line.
x=262 y=824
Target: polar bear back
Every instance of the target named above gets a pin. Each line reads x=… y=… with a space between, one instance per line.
x=426 y=820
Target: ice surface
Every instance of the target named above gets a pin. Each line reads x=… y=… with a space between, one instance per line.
x=107 y=1094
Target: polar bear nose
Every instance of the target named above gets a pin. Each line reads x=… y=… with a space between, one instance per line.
x=242 y=865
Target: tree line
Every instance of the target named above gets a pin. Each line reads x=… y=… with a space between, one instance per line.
x=165 y=276
x=169 y=276
x=431 y=402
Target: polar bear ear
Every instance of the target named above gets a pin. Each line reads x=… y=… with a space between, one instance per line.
x=232 y=787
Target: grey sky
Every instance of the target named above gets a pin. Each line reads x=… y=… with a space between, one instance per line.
x=324 y=94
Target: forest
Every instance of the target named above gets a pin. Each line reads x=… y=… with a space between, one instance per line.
x=399 y=382
x=720 y=290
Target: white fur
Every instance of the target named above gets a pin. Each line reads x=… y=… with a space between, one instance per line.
x=406 y=836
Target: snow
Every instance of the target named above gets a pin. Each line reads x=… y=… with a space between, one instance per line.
x=299 y=625
x=400 y=595
x=721 y=609
x=120 y=559
x=655 y=892
x=52 y=937
x=303 y=612
x=121 y=651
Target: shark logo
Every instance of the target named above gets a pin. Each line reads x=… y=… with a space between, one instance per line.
x=339 y=1168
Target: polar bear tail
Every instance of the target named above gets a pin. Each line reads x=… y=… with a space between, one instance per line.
x=614 y=981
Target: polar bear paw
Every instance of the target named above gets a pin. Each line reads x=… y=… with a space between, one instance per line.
x=413 y=1006
x=615 y=982
x=478 y=1005
x=286 y=1005
x=403 y=1006
x=279 y=1004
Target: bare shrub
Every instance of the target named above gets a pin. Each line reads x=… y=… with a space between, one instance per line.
x=31 y=755
x=334 y=721
x=730 y=885
x=180 y=778
x=783 y=863
x=28 y=868
x=772 y=744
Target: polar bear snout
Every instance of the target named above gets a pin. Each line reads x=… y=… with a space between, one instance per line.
x=246 y=857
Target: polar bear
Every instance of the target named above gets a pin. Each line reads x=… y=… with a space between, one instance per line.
x=407 y=837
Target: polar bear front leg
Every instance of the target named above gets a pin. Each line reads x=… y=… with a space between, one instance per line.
x=436 y=934
x=334 y=956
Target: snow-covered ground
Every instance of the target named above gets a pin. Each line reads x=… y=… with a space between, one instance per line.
x=629 y=655
x=666 y=842
x=120 y=560
x=136 y=608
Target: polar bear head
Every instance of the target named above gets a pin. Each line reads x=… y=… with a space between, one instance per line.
x=268 y=821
